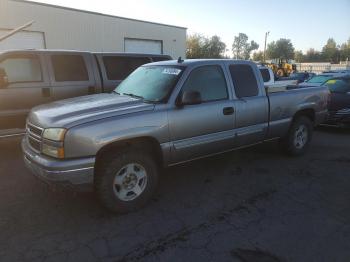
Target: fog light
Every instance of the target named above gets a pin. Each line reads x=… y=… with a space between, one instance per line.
x=57 y=152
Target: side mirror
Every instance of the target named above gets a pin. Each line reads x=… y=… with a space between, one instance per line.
x=189 y=98
x=3 y=78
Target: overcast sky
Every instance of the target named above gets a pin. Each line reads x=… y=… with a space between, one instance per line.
x=308 y=23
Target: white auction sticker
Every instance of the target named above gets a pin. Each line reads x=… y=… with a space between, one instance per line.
x=171 y=71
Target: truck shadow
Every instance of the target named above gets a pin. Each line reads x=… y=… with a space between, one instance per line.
x=334 y=130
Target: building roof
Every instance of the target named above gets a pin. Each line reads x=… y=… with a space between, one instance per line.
x=95 y=13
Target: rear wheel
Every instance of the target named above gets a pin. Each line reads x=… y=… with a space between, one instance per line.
x=126 y=181
x=299 y=136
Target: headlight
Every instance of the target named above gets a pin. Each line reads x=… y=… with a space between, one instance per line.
x=55 y=134
x=57 y=152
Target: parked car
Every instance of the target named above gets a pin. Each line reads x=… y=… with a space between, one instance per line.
x=272 y=82
x=320 y=79
x=300 y=77
x=32 y=77
x=339 y=106
x=164 y=114
x=342 y=71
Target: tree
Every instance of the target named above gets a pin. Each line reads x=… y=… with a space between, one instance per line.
x=194 y=44
x=241 y=49
x=282 y=48
x=313 y=56
x=214 y=47
x=330 y=51
x=299 y=56
x=249 y=48
x=258 y=56
x=345 y=51
x=199 y=46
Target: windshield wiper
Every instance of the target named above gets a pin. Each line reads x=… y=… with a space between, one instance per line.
x=134 y=96
x=140 y=97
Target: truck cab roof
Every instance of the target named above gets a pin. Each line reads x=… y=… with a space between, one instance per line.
x=198 y=62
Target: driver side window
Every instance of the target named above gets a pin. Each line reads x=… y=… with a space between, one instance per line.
x=209 y=81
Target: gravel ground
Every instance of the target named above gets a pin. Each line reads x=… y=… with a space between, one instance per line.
x=252 y=205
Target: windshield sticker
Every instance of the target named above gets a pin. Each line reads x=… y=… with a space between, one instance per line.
x=171 y=71
x=331 y=81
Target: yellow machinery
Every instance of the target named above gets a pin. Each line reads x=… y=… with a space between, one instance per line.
x=282 y=67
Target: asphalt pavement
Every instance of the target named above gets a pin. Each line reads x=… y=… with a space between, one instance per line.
x=251 y=205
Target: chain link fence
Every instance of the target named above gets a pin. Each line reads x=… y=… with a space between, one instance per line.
x=321 y=67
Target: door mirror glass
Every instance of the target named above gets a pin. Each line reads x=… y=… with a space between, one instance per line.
x=190 y=97
x=3 y=78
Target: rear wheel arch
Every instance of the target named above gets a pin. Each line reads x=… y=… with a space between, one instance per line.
x=300 y=130
x=309 y=113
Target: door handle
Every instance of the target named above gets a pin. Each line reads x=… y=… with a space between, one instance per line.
x=46 y=92
x=228 y=111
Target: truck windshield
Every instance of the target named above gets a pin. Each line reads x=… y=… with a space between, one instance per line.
x=319 y=79
x=151 y=83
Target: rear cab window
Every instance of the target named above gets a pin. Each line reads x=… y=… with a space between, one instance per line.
x=244 y=80
x=69 y=68
x=119 y=67
x=265 y=74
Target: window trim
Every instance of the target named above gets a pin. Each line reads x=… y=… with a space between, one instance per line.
x=209 y=101
x=23 y=56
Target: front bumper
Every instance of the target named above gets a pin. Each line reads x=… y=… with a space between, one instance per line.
x=77 y=173
x=341 y=117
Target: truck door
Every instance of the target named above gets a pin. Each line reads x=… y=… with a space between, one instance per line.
x=71 y=75
x=251 y=105
x=28 y=86
x=206 y=128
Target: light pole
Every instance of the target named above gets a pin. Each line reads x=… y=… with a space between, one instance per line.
x=266 y=34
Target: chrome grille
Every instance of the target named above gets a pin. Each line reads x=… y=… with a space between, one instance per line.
x=34 y=136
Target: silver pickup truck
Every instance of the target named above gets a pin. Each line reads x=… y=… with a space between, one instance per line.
x=164 y=114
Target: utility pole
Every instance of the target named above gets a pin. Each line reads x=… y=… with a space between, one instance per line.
x=266 y=34
x=14 y=31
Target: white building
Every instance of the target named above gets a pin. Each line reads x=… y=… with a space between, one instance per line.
x=58 y=27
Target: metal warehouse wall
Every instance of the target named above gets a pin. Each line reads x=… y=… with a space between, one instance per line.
x=72 y=29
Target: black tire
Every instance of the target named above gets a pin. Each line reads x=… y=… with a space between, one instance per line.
x=109 y=168
x=289 y=145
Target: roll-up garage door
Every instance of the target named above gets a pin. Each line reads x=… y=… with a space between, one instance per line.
x=143 y=46
x=22 y=40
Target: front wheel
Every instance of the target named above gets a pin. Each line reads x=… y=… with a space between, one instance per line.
x=126 y=181
x=299 y=136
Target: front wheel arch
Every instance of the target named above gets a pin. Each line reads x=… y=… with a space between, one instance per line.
x=147 y=144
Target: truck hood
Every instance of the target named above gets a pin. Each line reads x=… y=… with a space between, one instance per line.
x=75 y=111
